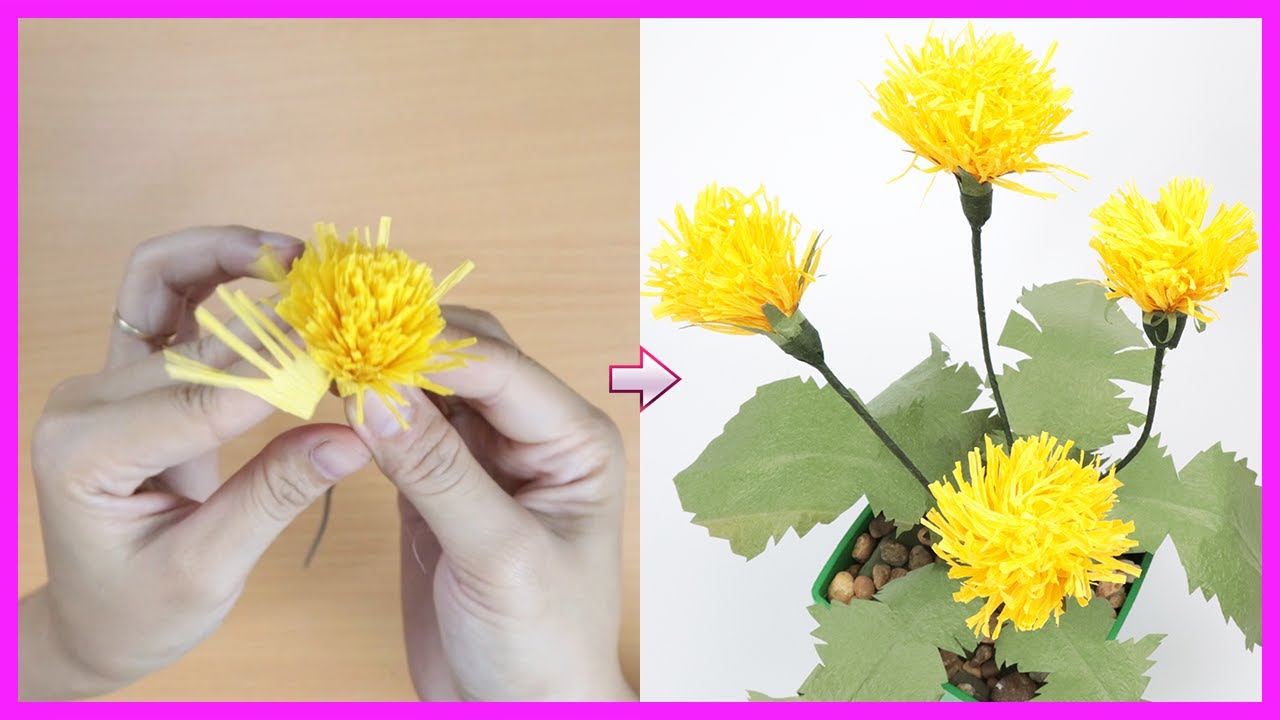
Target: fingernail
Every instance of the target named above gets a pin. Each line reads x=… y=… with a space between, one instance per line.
x=378 y=417
x=337 y=460
x=279 y=240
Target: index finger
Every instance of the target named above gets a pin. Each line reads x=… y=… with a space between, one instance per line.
x=168 y=276
x=517 y=396
x=118 y=445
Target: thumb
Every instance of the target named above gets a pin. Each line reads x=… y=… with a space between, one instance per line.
x=472 y=516
x=242 y=518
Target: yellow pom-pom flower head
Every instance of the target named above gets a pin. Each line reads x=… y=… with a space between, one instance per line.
x=979 y=107
x=1027 y=529
x=369 y=318
x=1163 y=256
x=732 y=256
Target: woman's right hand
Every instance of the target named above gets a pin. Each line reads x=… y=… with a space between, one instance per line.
x=511 y=497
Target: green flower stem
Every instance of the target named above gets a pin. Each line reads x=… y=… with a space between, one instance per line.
x=871 y=422
x=324 y=524
x=800 y=339
x=986 y=339
x=975 y=200
x=1156 y=368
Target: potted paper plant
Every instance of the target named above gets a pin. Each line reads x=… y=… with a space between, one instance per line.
x=1001 y=548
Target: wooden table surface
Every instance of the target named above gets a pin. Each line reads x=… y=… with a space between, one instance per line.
x=514 y=144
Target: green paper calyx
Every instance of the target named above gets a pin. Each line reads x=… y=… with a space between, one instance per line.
x=795 y=335
x=1164 y=330
x=975 y=199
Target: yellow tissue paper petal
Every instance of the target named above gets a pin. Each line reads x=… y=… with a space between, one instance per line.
x=369 y=318
x=295 y=385
x=731 y=256
x=977 y=103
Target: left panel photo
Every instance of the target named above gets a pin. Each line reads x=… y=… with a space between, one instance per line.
x=314 y=323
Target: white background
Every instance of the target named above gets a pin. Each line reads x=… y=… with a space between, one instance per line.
x=779 y=102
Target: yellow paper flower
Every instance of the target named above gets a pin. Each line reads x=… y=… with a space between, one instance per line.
x=368 y=316
x=1027 y=530
x=1162 y=256
x=734 y=255
x=979 y=104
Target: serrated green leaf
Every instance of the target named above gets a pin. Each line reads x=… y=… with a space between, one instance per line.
x=887 y=648
x=1082 y=664
x=924 y=601
x=1149 y=496
x=754 y=696
x=1065 y=385
x=796 y=455
x=1213 y=512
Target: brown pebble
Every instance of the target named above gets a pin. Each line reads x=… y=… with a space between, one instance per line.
x=991 y=682
x=841 y=588
x=881 y=527
x=951 y=662
x=990 y=669
x=1106 y=589
x=1014 y=687
x=919 y=557
x=893 y=552
x=983 y=653
x=855 y=568
x=971 y=685
x=863 y=588
x=862 y=547
x=1038 y=677
x=923 y=536
x=1117 y=599
x=880 y=575
x=971 y=667
x=897 y=573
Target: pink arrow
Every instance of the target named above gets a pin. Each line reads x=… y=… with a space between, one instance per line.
x=650 y=379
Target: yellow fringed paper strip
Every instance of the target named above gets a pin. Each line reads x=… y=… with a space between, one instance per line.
x=1026 y=530
x=981 y=104
x=1163 y=255
x=735 y=254
x=368 y=316
x=295 y=386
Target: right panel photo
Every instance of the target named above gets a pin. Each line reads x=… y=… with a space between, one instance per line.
x=967 y=320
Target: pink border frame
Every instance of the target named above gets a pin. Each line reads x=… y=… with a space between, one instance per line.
x=616 y=9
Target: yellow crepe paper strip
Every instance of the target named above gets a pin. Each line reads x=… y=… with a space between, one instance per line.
x=981 y=104
x=295 y=384
x=1026 y=530
x=721 y=265
x=1163 y=256
x=368 y=316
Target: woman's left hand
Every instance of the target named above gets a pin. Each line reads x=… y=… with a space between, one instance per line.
x=147 y=549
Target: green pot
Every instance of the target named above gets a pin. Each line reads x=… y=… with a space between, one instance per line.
x=843 y=553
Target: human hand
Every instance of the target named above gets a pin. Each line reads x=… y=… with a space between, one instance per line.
x=146 y=550
x=511 y=495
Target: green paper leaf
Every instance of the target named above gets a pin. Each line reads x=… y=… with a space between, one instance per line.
x=1082 y=664
x=754 y=696
x=796 y=455
x=887 y=648
x=1064 y=387
x=924 y=600
x=863 y=658
x=1213 y=512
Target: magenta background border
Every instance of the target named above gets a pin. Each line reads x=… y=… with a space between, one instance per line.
x=617 y=9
